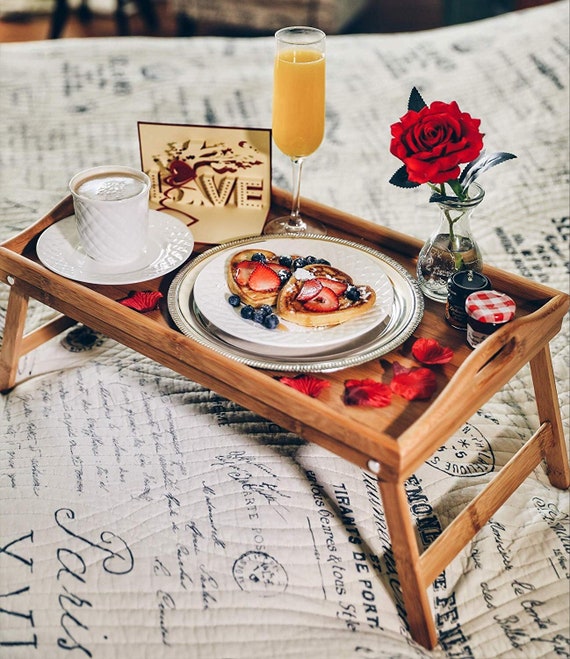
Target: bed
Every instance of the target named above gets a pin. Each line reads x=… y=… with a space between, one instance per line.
x=143 y=515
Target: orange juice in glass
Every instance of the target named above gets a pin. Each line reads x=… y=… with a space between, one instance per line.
x=299 y=102
x=298 y=110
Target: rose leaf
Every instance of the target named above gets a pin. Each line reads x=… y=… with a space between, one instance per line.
x=400 y=179
x=416 y=102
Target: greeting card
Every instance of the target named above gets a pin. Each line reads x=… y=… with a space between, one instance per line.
x=216 y=179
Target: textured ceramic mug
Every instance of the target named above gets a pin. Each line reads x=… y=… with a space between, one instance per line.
x=111 y=212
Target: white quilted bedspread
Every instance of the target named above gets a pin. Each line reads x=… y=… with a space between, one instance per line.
x=143 y=516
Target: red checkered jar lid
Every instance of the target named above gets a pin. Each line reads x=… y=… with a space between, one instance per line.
x=490 y=307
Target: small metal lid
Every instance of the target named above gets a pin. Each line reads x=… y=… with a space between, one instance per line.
x=490 y=307
x=469 y=280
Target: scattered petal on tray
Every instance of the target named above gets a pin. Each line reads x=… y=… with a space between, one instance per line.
x=366 y=392
x=430 y=351
x=142 y=300
x=306 y=384
x=413 y=383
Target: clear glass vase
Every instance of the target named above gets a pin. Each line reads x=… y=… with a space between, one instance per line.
x=451 y=247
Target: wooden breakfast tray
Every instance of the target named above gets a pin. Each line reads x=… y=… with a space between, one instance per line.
x=390 y=442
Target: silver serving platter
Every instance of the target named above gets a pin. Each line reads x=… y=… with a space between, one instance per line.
x=406 y=314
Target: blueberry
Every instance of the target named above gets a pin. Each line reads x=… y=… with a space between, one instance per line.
x=285 y=261
x=258 y=256
x=309 y=260
x=247 y=312
x=299 y=262
x=284 y=275
x=258 y=316
x=265 y=309
x=353 y=294
x=234 y=300
x=271 y=321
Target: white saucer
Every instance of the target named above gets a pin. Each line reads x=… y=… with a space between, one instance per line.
x=170 y=243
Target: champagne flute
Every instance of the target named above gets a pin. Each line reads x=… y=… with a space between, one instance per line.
x=298 y=111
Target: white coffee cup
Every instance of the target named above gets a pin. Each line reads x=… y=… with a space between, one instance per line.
x=111 y=212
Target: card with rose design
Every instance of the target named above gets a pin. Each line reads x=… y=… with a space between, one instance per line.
x=216 y=179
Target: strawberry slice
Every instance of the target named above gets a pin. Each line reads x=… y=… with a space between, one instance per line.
x=264 y=279
x=323 y=302
x=278 y=267
x=243 y=271
x=310 y=288
x=338 y=287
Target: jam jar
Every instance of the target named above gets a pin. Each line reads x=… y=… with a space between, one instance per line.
x=486 y=312
x=461 y=284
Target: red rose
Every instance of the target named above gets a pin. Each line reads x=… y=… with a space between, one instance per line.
x=434 y=141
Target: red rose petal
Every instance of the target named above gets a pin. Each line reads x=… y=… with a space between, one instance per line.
x=399 y=369
x=306 y=384
x=430 y=351
x=414 y=384
x=142 y=300
x=366 y=392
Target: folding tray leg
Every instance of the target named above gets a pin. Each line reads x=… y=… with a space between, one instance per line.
x=16 y=343
x=11 y=350
x=555 y=452
x=406 y=555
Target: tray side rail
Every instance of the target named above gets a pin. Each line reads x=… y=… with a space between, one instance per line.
x=353 y=227
x=21 y=241
x=490 y=366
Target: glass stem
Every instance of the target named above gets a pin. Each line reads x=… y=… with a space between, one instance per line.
x=295 y=219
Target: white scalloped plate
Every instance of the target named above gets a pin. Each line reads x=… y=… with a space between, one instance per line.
x=405 y=316
x=211 y=298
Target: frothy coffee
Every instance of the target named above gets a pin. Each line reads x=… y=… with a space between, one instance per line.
x=110 y=186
